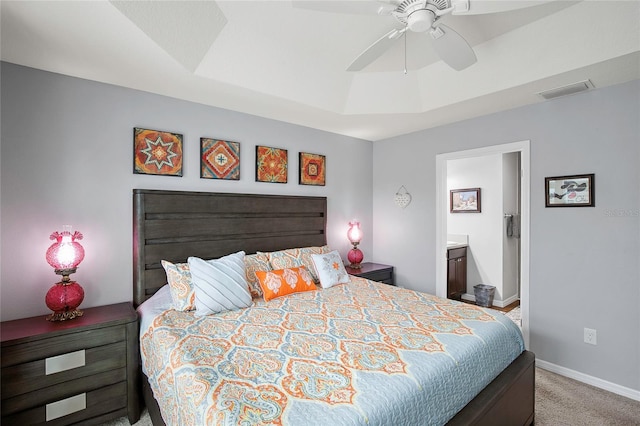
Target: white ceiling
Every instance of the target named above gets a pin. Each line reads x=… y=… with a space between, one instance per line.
x=283 y=60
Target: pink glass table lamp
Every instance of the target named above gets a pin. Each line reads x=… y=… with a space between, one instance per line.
x=64 y=255
x=355 y=255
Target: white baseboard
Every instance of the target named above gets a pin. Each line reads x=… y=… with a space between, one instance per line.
x=498 y=303
x=506 y=302
x=590 y=380
x=469 y=297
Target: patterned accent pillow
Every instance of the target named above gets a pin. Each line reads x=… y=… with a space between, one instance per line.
x=330 y=269
x=295 y=257
x=220 y=284
x=254 y=263
x=281 y=282
x=179 y=279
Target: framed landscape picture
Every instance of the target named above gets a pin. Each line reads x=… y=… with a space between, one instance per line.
x=271 y=164
x=465 y=200
x=219 y=159
x=570 y=191
x=157 y=152
x=312 y=169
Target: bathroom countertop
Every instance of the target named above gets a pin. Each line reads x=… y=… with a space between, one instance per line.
x=455 y=245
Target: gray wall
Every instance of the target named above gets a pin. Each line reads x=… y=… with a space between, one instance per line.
x=584 y=261
x=66 y=158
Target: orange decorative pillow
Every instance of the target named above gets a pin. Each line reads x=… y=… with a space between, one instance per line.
x=281 y=282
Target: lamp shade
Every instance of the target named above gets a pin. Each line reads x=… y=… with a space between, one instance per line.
x=66 y=252
x=354 y=233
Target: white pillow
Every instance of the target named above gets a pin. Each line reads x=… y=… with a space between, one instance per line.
x=219 y=284
x=330 y=269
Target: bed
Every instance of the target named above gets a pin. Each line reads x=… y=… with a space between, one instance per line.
x=368 y=363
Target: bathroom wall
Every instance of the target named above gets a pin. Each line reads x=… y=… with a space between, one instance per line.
x=510 y=244
x=484 y=229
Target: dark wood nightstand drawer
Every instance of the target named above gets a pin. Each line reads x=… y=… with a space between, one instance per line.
x=62 y=391
x=45 y=348
x=23 y=378
x=101 y=404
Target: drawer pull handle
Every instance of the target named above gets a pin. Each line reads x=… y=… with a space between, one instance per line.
x=66 y=406
x=56 y=364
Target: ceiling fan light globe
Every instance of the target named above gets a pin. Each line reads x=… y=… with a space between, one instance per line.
x=420 y=20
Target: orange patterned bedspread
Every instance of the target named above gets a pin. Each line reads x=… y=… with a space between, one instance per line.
x=360 y=353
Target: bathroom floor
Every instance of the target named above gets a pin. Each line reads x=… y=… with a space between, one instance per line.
x=512 y=311
x=506 y=309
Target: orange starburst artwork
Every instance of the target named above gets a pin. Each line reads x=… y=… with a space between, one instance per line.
x=271 y=164
x=156 y=152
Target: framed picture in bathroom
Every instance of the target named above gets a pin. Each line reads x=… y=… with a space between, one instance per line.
x=465 y=200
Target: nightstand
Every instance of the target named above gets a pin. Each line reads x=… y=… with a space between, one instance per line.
x=81 y=370
x=373 y=272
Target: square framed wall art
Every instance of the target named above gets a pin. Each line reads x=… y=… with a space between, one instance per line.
x=312 y=169
x=271 y=164
x=157 y=152
x=219 y=159
x=570 y=191
x=465 y=200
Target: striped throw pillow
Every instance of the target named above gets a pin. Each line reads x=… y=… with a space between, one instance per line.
x=219 y=284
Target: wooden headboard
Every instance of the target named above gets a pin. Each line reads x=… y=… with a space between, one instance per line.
x=173 y=225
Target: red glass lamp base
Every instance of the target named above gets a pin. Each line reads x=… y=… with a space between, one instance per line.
x=63 y=298
x=355 y=257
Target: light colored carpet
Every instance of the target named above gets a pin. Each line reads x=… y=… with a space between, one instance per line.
x=560 y=401
x=145 y=420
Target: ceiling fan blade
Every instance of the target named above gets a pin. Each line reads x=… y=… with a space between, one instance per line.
x=452 y=48
x=332 y=6
x=480 y=7
x=374 y=51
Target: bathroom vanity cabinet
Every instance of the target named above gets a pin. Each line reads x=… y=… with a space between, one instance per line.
x=456 y=272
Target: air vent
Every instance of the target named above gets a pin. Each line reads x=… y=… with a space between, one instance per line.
x=569 y=89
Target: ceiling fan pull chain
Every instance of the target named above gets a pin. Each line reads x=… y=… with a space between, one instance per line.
x=405 y=50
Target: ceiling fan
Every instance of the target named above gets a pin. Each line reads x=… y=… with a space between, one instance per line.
x=422 y=16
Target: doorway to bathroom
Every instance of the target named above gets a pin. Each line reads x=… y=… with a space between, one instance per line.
x=501 y=226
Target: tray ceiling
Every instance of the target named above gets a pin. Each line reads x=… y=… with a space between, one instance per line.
x=285 y=61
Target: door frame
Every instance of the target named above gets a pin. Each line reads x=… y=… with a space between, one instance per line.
x=442 y=201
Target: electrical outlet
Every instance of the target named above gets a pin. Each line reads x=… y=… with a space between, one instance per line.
x=590 y=336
